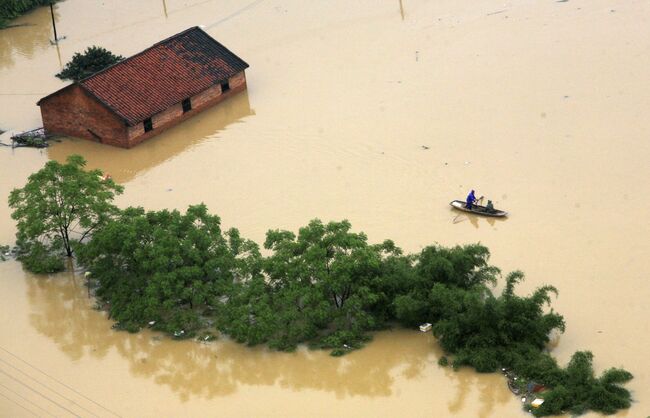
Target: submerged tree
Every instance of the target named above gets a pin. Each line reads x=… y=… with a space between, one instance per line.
x=167 y=267
x=60 y=205
x=456 y=270
x=579 y=390
x=487 y=332
x=320 y=288
x=93 y=60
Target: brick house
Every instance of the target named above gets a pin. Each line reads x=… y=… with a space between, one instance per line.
x=147 y=93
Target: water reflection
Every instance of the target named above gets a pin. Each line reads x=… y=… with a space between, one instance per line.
x=490 y=388
x=31 y=33
x=61 y=310
x=475 y=220
x=125 y=164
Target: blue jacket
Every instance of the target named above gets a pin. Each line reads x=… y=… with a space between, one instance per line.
x=470 y=198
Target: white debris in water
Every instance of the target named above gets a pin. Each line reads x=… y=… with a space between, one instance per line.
x=537 y=402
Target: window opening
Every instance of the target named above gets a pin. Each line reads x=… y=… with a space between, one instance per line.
x=148 y=125
x=187 y=105
x=225 y=86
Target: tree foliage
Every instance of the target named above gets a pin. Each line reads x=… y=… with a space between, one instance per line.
x=461 y=268
x=60 y=205
x=578 y=390
x=93 y=59
x=319 y=288
x=483 y=331
x=11 y=9
x=167 y=267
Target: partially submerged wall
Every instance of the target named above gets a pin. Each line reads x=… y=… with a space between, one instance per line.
x=174 y=115
x=74 y=112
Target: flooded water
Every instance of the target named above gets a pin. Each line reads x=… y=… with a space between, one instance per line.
x=380 y=113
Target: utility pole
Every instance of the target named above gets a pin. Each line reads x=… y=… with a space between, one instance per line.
x=56 y=39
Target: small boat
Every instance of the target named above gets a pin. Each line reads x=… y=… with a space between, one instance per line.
x=477 y=209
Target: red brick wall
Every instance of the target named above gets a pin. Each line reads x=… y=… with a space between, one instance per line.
x=237 y=80
x=205 y=97
x=174 y=115
x=74 y=112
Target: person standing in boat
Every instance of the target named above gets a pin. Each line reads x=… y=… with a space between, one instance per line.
x=470 y=200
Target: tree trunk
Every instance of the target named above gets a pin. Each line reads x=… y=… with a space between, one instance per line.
x=66 y=243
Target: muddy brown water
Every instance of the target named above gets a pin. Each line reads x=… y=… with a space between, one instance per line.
x=380 y=113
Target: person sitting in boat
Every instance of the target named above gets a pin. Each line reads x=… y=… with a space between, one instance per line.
x=489 y=208
x=470 y=200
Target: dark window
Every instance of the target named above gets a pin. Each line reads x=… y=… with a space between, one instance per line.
x=148 y=125
x=225 y=86
x=187 y=105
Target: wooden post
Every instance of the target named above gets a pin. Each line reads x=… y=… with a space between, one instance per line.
x=56 y=39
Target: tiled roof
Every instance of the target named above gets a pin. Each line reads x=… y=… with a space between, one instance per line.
x=162 y=75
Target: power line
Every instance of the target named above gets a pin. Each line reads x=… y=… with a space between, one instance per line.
x=48 y=388
x=39 y=393
x=58 y=381
x=26 y=400
x=235 y=13
x=6 y=397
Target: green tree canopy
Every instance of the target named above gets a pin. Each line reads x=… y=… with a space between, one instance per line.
x=61 y=204
x=167 y=267
x=483 y=331
x=93 y=59
x=579 y=390
x=319 y=288
x=456 y=269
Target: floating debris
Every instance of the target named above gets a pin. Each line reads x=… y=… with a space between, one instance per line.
x=5 y=252
x=525 y=390
x=36 y=138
